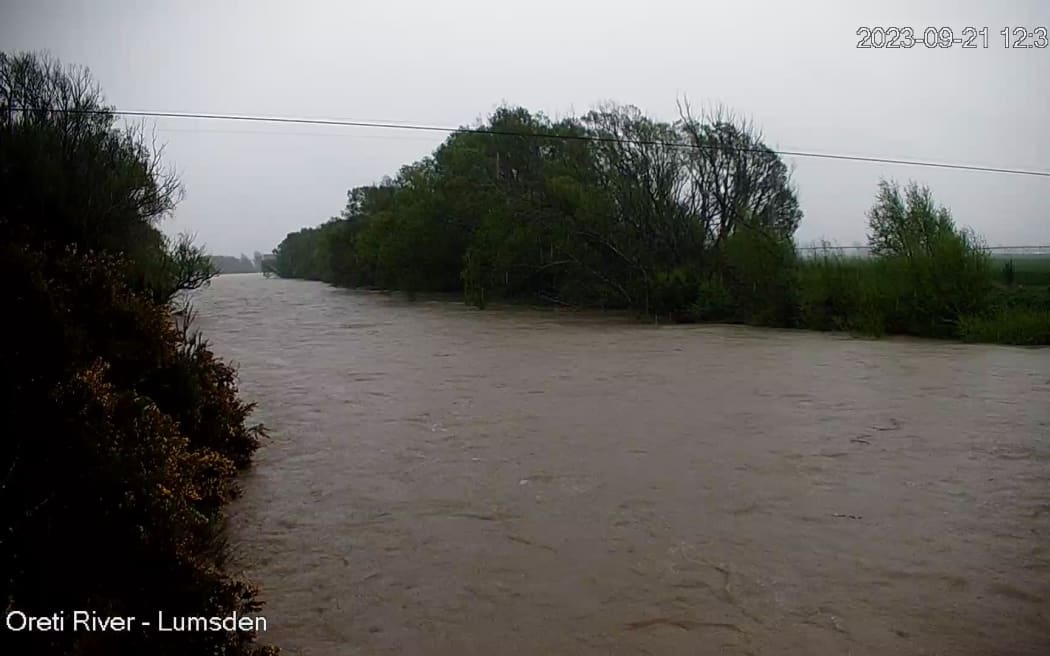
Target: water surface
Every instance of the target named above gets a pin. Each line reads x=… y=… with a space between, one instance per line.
x=442 y=480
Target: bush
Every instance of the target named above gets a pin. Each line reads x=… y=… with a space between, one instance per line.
x=936 y=272
x=122 y=442
x=759 y=272
x=713 y=303
x=1009 y=326
x=674 y=291
x=1009 y=273
x=1011 y=298
x=830 y=291
x=120 y=434
x=1029 y=270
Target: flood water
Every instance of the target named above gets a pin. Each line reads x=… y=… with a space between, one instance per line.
x=441 y=480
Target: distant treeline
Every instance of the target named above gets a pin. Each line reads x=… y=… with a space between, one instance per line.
x=691 y=220
x=121 y=433
x=231 y=264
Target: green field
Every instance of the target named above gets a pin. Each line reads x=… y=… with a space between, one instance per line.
x=1028 y=269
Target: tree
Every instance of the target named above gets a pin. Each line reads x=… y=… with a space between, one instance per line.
x=611 y=209
x=295 y=257
x=642 y=226
x=734 y=175
x=113 y=182
x=935 y=271
x=71 y=175
x=908 y=224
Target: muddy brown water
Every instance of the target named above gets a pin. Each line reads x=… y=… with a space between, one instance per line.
x=441 y=480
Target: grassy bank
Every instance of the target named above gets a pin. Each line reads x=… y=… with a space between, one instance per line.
x=879 y=296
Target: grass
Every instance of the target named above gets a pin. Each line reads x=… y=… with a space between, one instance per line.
x=1028 y=269
x=876 y=296
x=1020 y=326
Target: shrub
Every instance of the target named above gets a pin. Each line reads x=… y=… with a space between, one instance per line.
x=1009 y=273
x=121 y=443
x=829 y=291
x=674 y=291
x=758 y=269
x=936 y=272
x=1020 y=326
x=713 y=303
x=120 y=434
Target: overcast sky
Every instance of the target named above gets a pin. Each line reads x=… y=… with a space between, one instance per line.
x=791 y=66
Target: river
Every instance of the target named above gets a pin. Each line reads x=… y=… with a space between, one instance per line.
x=442 y=480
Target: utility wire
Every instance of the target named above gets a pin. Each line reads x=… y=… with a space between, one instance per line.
x=288 y=133
x=541 y=135
x=1044 y=247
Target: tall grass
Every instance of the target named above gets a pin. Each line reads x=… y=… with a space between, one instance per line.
x=927 y=278
x=878 y=296
x=1029 y=270
x=1022 y=326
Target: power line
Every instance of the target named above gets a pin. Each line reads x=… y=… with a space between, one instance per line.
x=538 y=135
x=1044 y=247
x=287 y=133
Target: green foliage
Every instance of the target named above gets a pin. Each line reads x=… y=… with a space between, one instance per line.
x=939 y=273
x=1020 y=326
x=491 y=259
x=71 y=175
x=906 y=223
x=928 y=278
x=121 y=432
x=714 y=302
x=1030 y=270
x=1009 y=273
x=831 y=291
x=674 y=291
x=231 y=264
x=1019 y=297
x=877 y=296
x=122 y=439
x=759 y=269
x=296 y=256
x=620 y=216
x=691 y=220
x=754 y=280
x=174 y=266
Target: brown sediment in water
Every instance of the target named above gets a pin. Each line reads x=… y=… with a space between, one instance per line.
x=447 y=481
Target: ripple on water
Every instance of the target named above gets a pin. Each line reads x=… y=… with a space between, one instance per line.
x=446 y=481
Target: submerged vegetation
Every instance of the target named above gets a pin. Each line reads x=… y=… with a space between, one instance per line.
x=690 y=221
x=122 y=433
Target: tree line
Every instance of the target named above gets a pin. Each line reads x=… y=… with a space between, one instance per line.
x=121 y=433
x=690 y=220
x=242 y=264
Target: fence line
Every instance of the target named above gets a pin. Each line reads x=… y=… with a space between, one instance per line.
x=866 y=250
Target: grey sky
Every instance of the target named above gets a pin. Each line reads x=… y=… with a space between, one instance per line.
x=791 y=66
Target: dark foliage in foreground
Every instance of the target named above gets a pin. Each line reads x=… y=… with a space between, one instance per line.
x=120 y=433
